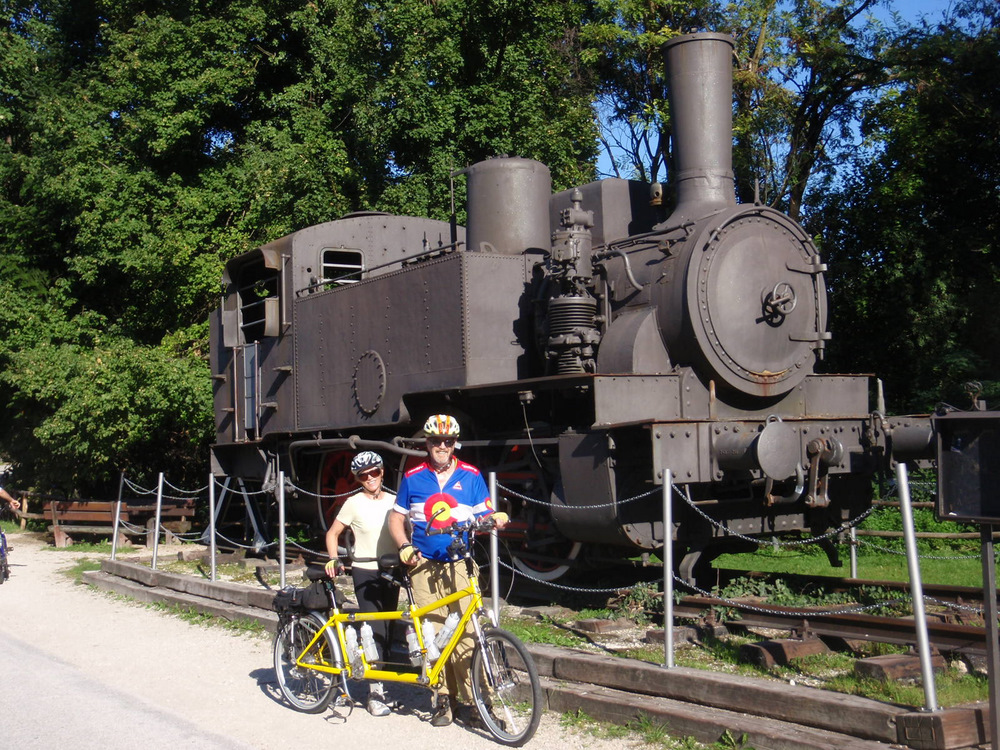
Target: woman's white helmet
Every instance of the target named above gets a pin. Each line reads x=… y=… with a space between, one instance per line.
x=364 y=461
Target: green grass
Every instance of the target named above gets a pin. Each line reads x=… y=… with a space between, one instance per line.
x=76 y=572
x=543 y=631
x=644 y=732
x=872 y=565
x=193 y=616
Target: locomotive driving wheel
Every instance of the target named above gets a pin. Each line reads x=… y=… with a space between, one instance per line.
x=536 y=547
x=335 y=484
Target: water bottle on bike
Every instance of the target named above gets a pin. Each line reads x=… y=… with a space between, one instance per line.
x=353 y=652
x=368 y=643
x=450 y=623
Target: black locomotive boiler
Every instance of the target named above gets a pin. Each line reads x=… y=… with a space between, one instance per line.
x=587 y=341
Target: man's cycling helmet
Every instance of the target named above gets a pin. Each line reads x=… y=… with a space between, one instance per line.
x=441 y=425
x=364 y=461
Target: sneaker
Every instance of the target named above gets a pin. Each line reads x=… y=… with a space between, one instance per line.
x=377 y=704
x=442 y=715
x=377 y=707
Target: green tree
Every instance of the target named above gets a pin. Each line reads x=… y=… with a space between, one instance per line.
x=460 y=81
x=803 y=71
x=911 y=233
x=143 y=144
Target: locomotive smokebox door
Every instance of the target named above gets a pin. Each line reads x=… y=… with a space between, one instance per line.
x=968 y=457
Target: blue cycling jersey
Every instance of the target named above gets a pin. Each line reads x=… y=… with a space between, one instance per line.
x=426 y=503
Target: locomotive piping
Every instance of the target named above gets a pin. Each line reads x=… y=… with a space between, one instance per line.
x=628 y=266
x=354 y=442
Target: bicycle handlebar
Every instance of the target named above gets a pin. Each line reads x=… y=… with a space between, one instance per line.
x=475 y=526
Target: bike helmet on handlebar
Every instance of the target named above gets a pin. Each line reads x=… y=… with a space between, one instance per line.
x=364 y=461
x=441 y=425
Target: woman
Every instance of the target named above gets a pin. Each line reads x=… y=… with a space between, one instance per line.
x=365 y=514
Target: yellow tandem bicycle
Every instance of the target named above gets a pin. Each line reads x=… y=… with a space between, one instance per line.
x=310 y=648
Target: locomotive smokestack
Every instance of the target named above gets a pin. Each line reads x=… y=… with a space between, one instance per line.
x=700 y=77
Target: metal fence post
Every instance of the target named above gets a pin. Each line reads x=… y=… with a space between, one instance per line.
x=211 y=523
x=668 y=570
x=156 y=526
x=118 y=518
x=494 y=553
x=992 y=632
x=917 y=589
x=854 y=552
x=281 y=526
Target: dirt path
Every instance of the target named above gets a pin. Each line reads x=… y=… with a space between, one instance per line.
x=198 y=676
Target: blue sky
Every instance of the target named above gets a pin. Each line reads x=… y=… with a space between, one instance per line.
x=913 y=9
x=910 y=11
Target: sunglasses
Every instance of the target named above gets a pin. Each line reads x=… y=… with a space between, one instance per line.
x=446 y=442
x=370 y=474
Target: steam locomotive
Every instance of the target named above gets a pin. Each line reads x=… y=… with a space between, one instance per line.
x=588 y=341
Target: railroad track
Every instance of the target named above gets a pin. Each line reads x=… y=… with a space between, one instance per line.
x=802 y=622
x=969 y=596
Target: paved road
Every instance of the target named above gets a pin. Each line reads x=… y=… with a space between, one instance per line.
x=47 y=702
x=84 y=669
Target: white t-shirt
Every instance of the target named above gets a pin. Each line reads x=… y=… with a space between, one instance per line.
x=368 y=520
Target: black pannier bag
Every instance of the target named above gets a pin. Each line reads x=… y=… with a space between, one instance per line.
x=290 y=600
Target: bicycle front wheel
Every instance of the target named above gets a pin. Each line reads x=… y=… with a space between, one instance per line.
x=307 y=690
x=505 y=688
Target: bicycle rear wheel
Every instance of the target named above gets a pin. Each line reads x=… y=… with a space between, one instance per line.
x=307 y=690
x=505 y=688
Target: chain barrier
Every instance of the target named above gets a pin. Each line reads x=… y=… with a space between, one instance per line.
x=226 y=539
x=266 y=490
x=545 y=503
x=137 y=489
x=563 y=587
x=954 y=605
x=203 y=488
x=850 y=523
x=857 y=609
x=889 y=551
x=321 y=496
x=136 y=530
x=511 y=493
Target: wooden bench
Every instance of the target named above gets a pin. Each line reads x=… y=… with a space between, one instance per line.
x=83 y=517
x=175 y=517
x=67 y=517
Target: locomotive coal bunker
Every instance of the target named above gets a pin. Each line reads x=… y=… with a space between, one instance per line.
x=587 y=341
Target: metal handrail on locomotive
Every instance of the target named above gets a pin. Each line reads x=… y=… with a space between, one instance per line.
x=587 y=341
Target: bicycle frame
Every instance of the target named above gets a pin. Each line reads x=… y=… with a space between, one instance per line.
x=412 y=615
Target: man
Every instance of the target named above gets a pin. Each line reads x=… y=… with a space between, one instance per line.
x=434 y=494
